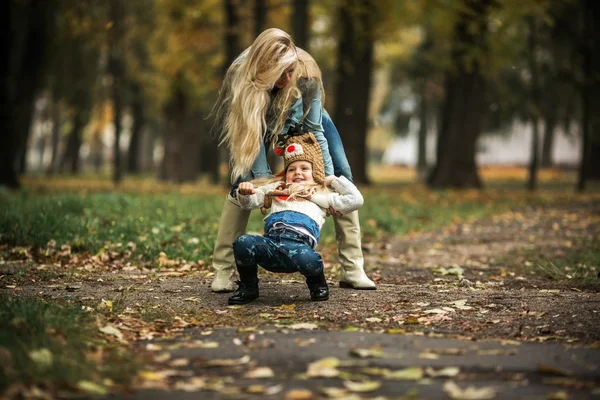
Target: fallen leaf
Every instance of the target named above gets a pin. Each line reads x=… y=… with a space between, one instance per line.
x=299 y=394
x=334 y=392
x=460 y=304
x=497 y=352
x=447 y=372
x=305 y=343
x=260 y=372
x=373 y=319
x=303 y=325
x=92 y=387
x=256 y=389
x=228 y=362
x=435 y=311
x=361 y=387
x=42 y=357
x=326 y=368
x=410 y=373
x=469 y=393
x=111 y=330
x=190 y=385
x=560 y=395
x=374 y=352
x=548 y=369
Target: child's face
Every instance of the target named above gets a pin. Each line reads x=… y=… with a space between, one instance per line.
x=299 y=172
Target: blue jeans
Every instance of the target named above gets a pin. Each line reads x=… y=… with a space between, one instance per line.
x=341 y=167
x=280 y=250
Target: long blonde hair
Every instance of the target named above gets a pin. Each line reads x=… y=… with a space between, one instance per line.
x=244 y=109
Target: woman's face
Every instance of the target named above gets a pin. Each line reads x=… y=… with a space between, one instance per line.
x=285 y=78
x=299 y=172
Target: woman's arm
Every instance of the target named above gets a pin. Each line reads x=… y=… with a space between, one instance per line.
x=314 y=123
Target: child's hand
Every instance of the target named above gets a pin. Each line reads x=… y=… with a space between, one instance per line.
x=246 y=189
x=329 y=179
x=333 y=211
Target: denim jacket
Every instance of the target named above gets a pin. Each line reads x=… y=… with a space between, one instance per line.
x=312 y=123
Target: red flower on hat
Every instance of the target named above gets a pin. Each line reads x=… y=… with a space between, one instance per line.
x=279 y=151
x=291 y=148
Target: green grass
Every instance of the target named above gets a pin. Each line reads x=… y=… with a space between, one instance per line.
x=184 y=226
x=581 y=264
x=46 y=344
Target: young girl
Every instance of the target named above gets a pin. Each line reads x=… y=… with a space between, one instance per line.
x=270 y=87
x=299 y=202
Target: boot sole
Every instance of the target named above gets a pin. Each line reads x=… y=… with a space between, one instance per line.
x=321 y=299
x=223 y=291
x=238 y=303
x=347 y=285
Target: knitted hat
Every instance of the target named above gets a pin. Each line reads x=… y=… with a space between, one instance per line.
x=303 y=148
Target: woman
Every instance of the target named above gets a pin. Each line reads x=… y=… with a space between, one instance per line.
x=271 y=88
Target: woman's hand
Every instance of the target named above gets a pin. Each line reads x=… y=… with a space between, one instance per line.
x=246 y=189
x=329 y=179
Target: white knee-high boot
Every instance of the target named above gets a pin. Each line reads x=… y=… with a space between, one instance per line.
x=347 y=233
x=232 y=225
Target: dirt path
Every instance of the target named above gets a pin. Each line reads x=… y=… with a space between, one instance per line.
x=476 y=280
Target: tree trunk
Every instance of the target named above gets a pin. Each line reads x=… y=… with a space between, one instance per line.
x=463 y=105
x=535 y=104
x=422 y=143
x=25 y=27
x=548 y=141
x=181 y=139
x=56 y=125
x=137 y=109
x=352 y=93
x=116 y=70
x=300 y=23
x=71 y=153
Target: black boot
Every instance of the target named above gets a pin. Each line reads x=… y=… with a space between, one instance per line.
x=247 y=290
x=319 y=291
x=245 y=293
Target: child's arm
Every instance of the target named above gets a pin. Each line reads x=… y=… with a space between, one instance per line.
x=347 y=199
x=251 y=197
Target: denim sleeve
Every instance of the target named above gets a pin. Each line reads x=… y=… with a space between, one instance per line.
x=260 y=169
x=314 y=123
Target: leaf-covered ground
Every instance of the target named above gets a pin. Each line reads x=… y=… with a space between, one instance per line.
x=526 y=275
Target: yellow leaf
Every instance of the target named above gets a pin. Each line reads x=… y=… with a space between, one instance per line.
x=365 y=386
x=260 y=372
x=410 y=373
x=42 y=357
x=299 y=394
x=91 y=387
x=374 y=352
x=469 y=393
x=326 y=367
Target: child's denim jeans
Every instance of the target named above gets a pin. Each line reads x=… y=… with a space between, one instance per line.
x=280 y=250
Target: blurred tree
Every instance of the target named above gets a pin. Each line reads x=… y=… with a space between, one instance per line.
x=590 y=93
x=534 y=108
x=184 y=52
x=117 y=72
x=353 y=85
x=75 y=71
x=300 y=23
x=463 y=105
x=26 y=28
